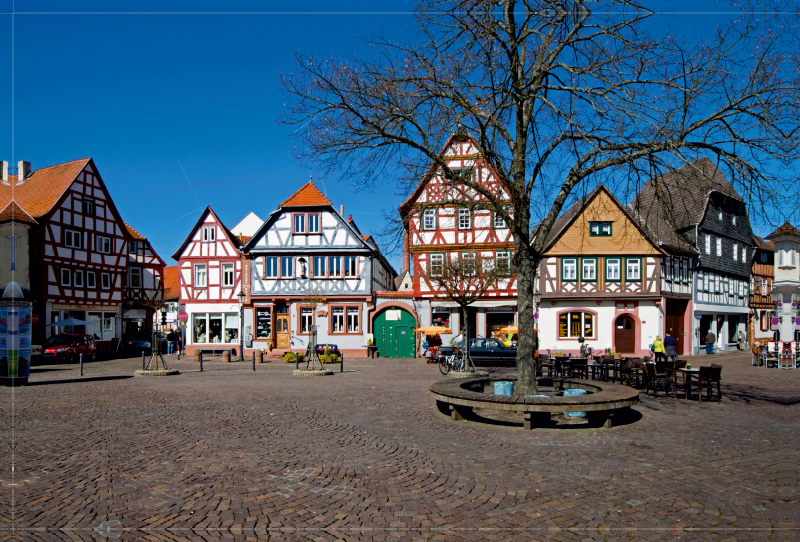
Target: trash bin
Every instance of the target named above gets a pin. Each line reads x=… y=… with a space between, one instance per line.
x=504 y=388
x=573 y=393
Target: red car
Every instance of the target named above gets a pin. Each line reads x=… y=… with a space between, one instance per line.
x=69 y=347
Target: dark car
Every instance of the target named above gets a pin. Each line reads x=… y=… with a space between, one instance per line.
x=484 y=352
x=332 y=349
x=142 y=342
x=69 y=347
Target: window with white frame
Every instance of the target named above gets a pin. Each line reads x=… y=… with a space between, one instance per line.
x=744 y=254
x=569 y=269
x=499 y=222
x=337 y=320
x=105 y=281
x=209 y=234
x=313 y=223
x=588 y=269
x=633 y=269
x=503 y=263
x=135 y=277
x=708 y=244
x=271 y=267
x=299 y=223
x=786 y=254
x=719 y=246
x=102 y=244
x=66 y=277
x=600 y=229
x=319 y=266
x=613 y=269
x=132 y=246
x=200 y=276
x=706 y=285
x=73 y=239
x=436 y=264
x=464 y=218
x=351 y=266
x=287 y=267
x=306 y=319
x=77 y=278
x=575 y=324
x=227 y=275
x=763 y=286
x=429 y=219
x=686 y=271
x=733 y=219
x=735 y=251
x=335 y=266
x=352 y=319
x=91 y=279
x=716 y=284
x=469 y=264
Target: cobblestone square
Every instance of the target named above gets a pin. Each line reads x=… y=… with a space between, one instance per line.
x=363 y=455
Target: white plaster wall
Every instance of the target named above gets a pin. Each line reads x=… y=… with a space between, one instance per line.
x=548 y=325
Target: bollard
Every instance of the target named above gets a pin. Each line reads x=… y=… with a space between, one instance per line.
x=80 y=361
x=259 y=356
x=198 y=356
x=226 y=356
x=254 y=361
x=179 y=354
x=142 y=360
x=341 y=362
x=296 y=361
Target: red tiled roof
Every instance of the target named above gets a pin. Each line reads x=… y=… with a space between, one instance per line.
x=786 y=228
x=308 y=196
x=135 y=234
x=39 y=192
x=171 y=284
x=244 y=238
x=14 y=213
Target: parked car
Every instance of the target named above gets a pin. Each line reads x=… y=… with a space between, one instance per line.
x=69 y=347
x=332 y=349
x=484 y=352
x=142 y=342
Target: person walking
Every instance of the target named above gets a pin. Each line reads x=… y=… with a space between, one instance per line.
x=740 y=340
x=658 y=349
x=172 y=337
x=669 y=344
x=710 y=340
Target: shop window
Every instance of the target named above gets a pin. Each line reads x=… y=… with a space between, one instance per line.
x=200 y=328
x=575 y=324
x=263 y=323
x=231 y=328
x=440 y=318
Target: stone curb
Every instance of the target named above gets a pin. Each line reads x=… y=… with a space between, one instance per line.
x=317 y=372
x=160 y=372
x=460 y=374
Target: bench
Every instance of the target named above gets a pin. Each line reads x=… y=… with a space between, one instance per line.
x=216 y=351
x=458 y=398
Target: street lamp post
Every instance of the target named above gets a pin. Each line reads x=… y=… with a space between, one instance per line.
x=241 y=296
x=537 y=298
x=776 y=297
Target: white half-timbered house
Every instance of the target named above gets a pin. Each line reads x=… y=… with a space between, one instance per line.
x=145 y=274
x=305 y=247
x=79 y=261
x=210 y=265
x=447 y=220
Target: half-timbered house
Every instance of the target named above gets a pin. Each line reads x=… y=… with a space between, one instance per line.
x=443 y=219
x=210 y=263
x=786 y=240
x=145 y=276
x=77 y=248
x=762 y=275
x=600 y=280
x=305 y=248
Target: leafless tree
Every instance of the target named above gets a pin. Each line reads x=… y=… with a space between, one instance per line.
x=313 y=298
x=464 y=279
x=558 y=95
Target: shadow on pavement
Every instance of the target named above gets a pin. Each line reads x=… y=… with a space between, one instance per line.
x=79 y=379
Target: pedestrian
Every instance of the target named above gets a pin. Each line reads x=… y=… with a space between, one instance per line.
x=669 y=344
x=658 y=348
x=710 y=340
x=172 y=338
x=740 y=340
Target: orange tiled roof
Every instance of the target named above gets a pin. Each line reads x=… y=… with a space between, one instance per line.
x=308 y=196
x=171 y=284
x=135 y=234
x=15 y=213
x=39 y=192
x=244 y=238
x=786 y=228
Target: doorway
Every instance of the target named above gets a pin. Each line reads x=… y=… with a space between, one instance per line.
x=625 y=335
x=394 y=333
x=676 y=313
x=282 y=335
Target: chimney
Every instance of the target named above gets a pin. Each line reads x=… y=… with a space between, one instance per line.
x=5 y=172
x=23 y=171
x=405 y=250
x=341 y=210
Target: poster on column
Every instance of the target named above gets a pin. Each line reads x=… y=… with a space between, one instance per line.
x=15 y=342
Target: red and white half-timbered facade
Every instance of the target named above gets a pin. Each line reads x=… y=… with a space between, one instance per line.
x=447 y=220
x=210 y=277
x=80 y=266
x=145 y=275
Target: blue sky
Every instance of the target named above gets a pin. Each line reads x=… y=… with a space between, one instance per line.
x=177 y=109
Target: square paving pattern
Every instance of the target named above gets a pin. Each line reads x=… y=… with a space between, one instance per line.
x=229 y=454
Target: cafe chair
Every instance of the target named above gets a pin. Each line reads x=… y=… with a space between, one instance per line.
x=655 y=380
x=672 y=375
x=626 y=373
x=708 y=376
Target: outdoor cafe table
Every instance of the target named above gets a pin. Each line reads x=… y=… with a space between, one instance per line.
x=687 y=378
x=599 y=370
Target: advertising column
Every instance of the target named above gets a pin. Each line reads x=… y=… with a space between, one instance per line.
x=15 y=343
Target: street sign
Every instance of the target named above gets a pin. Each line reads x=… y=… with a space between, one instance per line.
x=697 y=316
x=775 y=323
x=797 y=322
x=536 y=315
x=183 y=316
x=35 y=318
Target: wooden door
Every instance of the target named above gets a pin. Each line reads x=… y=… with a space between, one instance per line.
x=625 y=335
x=394 y=334
x=282 y=334
x=676 y=311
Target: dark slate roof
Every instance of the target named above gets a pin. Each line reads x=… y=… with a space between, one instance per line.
x=768 y=246
x=679 y=197
x=661 y=232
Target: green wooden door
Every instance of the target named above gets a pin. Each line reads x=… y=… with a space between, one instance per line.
x=394 y=333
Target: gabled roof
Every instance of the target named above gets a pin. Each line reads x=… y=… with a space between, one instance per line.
x=135 y=234
x=680 y=196
x=786 y=229
x=171 y=283
x=308 y=196
x=37 y=194
x=767 y=246
x=208 y=210
x=14 y=213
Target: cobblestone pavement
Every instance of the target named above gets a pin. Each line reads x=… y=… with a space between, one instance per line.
x=362 y=455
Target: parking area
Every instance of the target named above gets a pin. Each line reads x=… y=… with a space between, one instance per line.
x=363 y=455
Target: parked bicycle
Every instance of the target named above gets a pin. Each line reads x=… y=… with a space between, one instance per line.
x=454 y=362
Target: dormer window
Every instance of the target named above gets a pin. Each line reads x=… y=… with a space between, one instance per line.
x=305 y=223
x=733 y=219
x=600 y=229
x=720 y=214
x=209 y=234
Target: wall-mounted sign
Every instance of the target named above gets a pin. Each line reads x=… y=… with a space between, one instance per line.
x=698 y=316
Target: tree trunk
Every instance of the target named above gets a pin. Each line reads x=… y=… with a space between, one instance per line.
x=525 y=272
x=465 y=334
